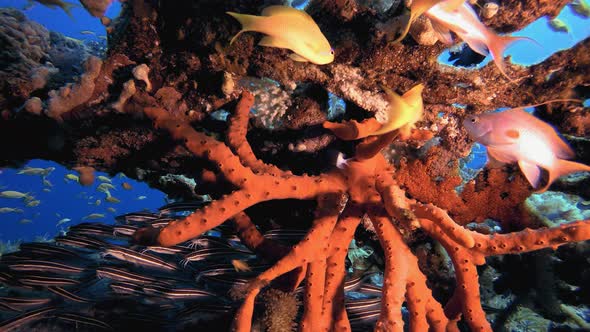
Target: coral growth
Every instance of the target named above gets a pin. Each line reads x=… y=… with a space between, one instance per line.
x=370 y=188
x=169 y=67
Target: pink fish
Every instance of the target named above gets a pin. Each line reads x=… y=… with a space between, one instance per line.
x=463 y=21
x=517 y=136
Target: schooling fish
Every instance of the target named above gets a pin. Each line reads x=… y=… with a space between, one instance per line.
x=581 y=7
x=558 y=25
x=288 y=28
x=463 y=21
x=517 y=136
x=404 y=111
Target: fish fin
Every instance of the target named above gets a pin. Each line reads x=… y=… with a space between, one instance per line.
x=564 y=167
x=341 y=162
x=493 y=162
x=531 y=171
x=414 y=94
x=419 y=7
x=297 y=57
x=397 y=105
x=497 y=46
x=285 y=11
x=270 y=41
x=67 y=7
x=499 y=156
x=248 y=23
x=443 y=33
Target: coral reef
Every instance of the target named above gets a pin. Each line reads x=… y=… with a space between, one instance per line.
x=169 y=77
x=370 y=189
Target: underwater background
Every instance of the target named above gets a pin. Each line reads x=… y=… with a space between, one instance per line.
x=55 y=201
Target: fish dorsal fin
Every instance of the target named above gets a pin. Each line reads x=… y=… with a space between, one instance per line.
x=531 y=171
x=414 y=95
x=286 y=11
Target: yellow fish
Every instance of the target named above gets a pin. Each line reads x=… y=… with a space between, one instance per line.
x=111 y=210
x=103 y=178
x=240 y=266
x=25 y=221
x=517 y=136
x=558 y=25
x=289 y=28
x=112 y=199
x=72 y=177
x=581 y=7
x=404 y=111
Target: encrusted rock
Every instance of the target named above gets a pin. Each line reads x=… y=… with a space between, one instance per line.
x=34 y=106
x=422 y=32
x=141 y=73
x=489 y=9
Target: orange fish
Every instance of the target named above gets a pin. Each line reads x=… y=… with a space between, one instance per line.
x=463 y=21
x=419 y=7
x=517 y=136
x=126 y=186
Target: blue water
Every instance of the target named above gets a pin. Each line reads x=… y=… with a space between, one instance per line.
x=528 y=53
x=66 y=199
x=55 y=19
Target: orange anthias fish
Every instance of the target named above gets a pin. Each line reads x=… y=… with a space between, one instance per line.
x=463 y=21
x=517 y=136
x=419 y=7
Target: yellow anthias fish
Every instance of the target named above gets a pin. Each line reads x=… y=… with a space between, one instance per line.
x=419 y=7
x=404 y=111
x=288 y=28
x=517 y=136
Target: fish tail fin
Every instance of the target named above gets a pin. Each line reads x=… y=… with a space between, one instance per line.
x=563 y=167
x=248 y=23
x=67 y=7
x=497 y=46
x=406 y=29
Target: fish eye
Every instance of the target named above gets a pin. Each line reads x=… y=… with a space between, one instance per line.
x=473 y=120
x=332 y=52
